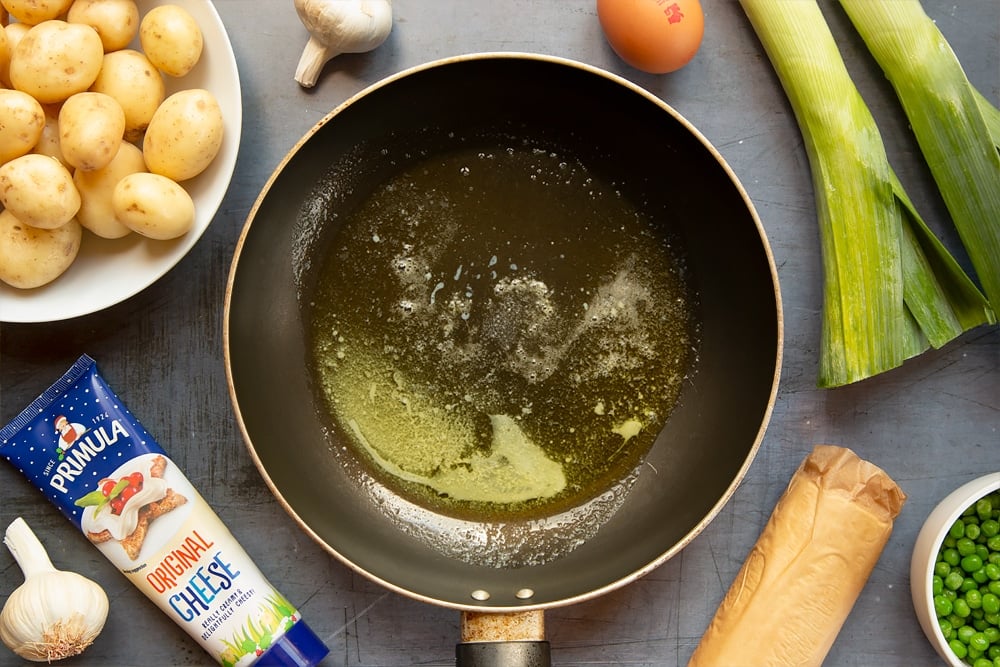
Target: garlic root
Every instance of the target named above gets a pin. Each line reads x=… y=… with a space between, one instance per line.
x=339 y=26
x=54 y=614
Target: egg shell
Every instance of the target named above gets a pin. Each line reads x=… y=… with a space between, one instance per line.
x=655 y=36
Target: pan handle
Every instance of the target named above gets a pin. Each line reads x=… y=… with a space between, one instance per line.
x=503 y=640
x=503 y=654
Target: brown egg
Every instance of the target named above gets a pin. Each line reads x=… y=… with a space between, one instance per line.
x=655 y=36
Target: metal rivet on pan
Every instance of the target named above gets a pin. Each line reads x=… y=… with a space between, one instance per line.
x=480 y=595
x=524 y=594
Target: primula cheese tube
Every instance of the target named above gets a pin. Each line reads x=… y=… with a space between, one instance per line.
x=92 y=458
x=802 y=577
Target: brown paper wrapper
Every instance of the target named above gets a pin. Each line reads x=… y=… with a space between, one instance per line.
x=802 y=577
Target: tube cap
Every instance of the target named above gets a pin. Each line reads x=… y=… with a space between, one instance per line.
x=298 y=647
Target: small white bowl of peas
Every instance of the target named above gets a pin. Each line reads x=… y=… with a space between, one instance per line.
x=955 y=575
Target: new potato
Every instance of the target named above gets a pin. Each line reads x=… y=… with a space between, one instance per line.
x=15 y=31
x=56 y=59
x=116 y=21
x=23 y=122
x=129 y=77
x=39 y=191
x=89 y=138
x=48 y=143
x=91 y=128
x=184 y=135
x=96 y=187
x=4 y=58
x=34 y=12
x=171 y=38
x=153 y=205
x=31 y=257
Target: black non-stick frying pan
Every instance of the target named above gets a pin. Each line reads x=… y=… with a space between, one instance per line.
x=665 y=166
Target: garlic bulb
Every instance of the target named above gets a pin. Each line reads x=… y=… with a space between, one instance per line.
x=339 y=26
x=54 y=614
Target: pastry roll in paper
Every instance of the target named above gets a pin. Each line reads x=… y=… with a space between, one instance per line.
x=800 y=580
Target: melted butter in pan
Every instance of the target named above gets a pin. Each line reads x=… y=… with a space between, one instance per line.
x=499 y=334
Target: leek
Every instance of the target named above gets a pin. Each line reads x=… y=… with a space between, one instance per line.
x=949 y=120
x=891 y=289
x=992 y=117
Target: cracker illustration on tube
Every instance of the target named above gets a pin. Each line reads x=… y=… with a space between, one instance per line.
x=122 y=509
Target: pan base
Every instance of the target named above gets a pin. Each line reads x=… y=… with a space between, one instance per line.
x=515 y=336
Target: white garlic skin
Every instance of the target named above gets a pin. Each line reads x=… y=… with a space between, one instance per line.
x=53 y=616
x=339 y=26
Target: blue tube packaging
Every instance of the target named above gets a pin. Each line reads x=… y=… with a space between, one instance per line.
x=90 y=456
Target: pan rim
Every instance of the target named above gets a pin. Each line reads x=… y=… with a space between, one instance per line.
x=752 y=451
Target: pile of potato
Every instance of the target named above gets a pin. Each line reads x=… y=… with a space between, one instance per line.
x=89 y=139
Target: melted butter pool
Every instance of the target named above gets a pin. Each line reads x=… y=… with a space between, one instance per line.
x=499 y=334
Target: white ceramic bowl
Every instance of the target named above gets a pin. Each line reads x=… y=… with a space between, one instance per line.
x=106 y=271
x=925 y=552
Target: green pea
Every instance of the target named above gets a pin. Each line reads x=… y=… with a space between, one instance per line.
x=965 y=546
x=974 y=598
x=967 y=577
x=971 y=563
x=942 y=605
x=961 y=607
x=957 y=529
x=984 y=508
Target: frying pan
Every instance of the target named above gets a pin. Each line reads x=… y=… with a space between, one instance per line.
x=696 y=462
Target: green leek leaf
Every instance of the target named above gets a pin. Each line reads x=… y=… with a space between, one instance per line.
x=950 y=120
x=890 y=287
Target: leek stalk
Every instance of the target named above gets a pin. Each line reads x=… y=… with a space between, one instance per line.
x=891 y=289
x=948 y=120
x=992 y=117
